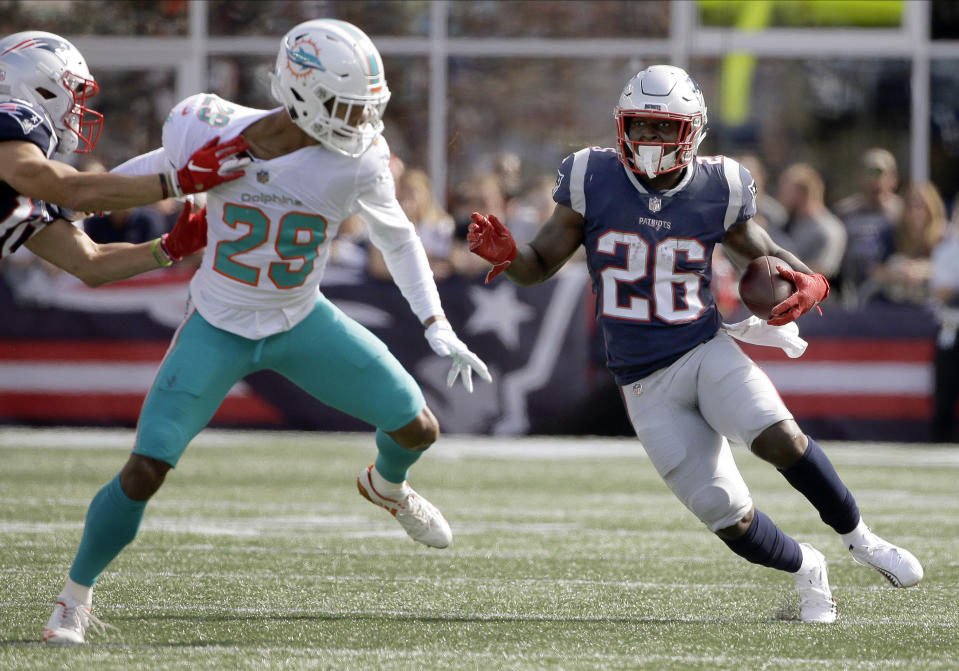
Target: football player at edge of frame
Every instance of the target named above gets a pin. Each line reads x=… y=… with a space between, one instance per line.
x=649 y=214
x=44 y=87
x=254 y=302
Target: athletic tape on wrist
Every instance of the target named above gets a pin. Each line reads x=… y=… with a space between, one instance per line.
x=160 y=255
x=173 y=184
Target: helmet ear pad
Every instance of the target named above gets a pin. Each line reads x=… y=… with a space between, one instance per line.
x=286 y=97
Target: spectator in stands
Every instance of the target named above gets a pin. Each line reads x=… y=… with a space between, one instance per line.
x=903 y=276
x=529 y=208
x=434 y=225
x=509 y=169
x=770 y=213
x=816 y=234
x=944 y=287
x=137 y=225
x=480 y=193
x=870 y=215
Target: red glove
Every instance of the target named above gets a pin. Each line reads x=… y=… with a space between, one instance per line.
x=209 y=166
x=490 y=239
x=188 y=234
x=810 y=291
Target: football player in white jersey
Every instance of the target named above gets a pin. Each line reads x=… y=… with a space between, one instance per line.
x=649 y=214
x=254 y=302
x=44 y=87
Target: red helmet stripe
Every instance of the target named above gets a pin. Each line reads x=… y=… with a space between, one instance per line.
x=30 y=42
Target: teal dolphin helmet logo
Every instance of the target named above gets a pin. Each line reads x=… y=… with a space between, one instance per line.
x=302 y=56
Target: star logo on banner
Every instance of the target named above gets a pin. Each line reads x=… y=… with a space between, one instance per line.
x=499 y=311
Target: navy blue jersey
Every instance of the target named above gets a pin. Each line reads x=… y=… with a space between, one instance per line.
x=649 y=253
x=20 y=216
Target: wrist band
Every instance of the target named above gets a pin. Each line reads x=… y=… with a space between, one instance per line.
x=436 y=320
x=170 y=184
x=160 y=255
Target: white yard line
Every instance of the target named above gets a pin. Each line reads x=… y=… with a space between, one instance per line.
x=472 y=447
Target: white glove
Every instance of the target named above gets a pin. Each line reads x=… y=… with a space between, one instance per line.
x=444 y=342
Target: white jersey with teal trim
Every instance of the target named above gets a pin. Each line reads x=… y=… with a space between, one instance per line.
x=269 y=232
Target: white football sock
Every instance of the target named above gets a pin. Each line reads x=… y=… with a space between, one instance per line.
x=392 y=490
x=78 y=592
x=857 y=537
x=809 y=559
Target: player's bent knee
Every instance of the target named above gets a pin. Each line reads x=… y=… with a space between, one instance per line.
x=419 y=434
x=782 y=444
x=142 y=476
x=720 y=504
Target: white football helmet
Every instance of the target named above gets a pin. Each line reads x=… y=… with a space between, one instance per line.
x=47 y=70
x=660 y=92
x=330 y=78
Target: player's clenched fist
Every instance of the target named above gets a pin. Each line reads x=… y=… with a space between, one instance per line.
x=188 y=236
x=810 y=291
x=490 y=239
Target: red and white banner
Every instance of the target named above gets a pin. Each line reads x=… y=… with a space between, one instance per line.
x=74 y=355
x=82 y=381
x=853 y=377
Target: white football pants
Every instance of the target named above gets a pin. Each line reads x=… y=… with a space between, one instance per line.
x=683 y=415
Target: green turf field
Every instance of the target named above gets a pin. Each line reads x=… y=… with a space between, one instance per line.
x=258 y=553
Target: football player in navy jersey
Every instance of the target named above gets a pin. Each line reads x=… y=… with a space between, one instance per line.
x=649 y=214
x=44 y=88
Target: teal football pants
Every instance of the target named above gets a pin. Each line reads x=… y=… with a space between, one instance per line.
x=329 y=355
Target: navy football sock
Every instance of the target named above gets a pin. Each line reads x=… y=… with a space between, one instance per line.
x=816 y=479
x=765 y=544
x=112 y=522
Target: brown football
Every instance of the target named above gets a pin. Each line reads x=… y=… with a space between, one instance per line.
x=761 y=287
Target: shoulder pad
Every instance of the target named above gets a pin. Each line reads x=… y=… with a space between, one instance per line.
x=192 y=123
x=19 y=120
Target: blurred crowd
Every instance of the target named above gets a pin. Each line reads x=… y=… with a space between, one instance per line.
x=886 y=242
x=876 y=245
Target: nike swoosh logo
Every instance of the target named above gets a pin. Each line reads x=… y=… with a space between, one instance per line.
x=195 y=168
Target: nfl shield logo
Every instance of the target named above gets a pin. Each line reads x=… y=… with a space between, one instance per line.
x=655 y=204
x=262 y=176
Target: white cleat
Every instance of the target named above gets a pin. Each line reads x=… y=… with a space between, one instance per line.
x=69 y=623
x=815 y=598
x=898 y=566
x=421 y=520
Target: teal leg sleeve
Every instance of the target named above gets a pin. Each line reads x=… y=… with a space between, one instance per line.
x=112 y=522
x=394 y=460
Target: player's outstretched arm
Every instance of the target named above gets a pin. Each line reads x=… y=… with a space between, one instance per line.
x=25 y=168
x=530 y=263
x=70 y=249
